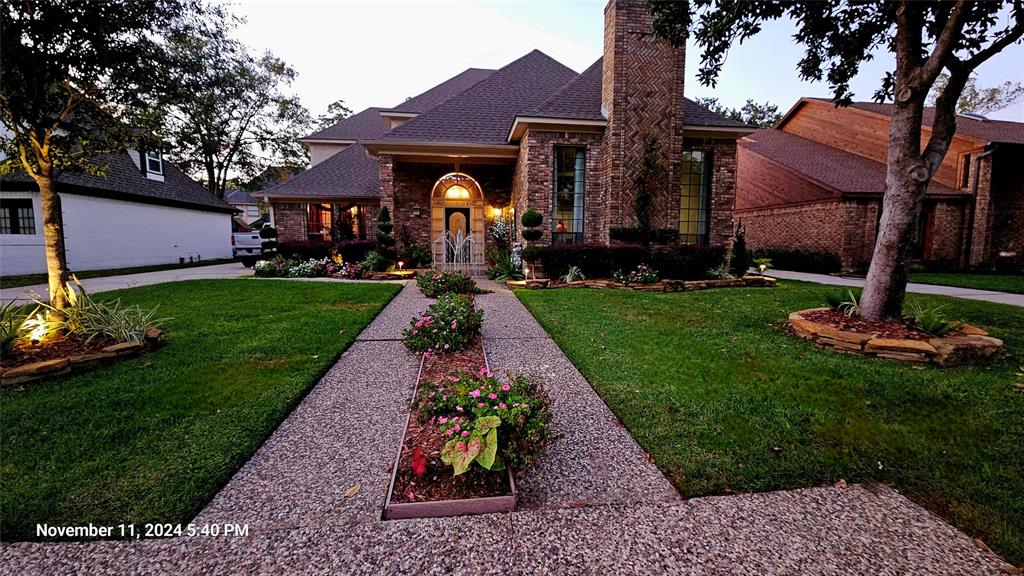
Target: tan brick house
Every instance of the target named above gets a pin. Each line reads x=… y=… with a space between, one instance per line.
x=815 y=182
x=534 y=134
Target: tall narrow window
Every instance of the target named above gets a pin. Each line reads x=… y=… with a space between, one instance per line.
x=567 y=206
x=154 y=163
x=965 y=174
x=695 y=196
x=17 y=216
x=319 y=222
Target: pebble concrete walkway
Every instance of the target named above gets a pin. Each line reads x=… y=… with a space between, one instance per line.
x=969 y=293
x=594 y=504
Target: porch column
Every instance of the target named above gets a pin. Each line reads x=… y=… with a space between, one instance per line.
x=387 y=183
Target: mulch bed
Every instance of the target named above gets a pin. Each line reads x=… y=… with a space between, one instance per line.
x=895 y=330
x=438 y=483
x=52 y=350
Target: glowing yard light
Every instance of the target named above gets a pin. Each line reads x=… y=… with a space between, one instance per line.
x=761 y=268
x=37 y=327
x=400 y=264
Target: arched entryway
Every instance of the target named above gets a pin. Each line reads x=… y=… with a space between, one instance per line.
x=457 y=222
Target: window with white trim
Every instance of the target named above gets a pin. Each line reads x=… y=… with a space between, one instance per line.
x=154 y=163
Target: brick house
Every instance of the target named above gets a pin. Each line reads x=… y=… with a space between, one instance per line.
x=490 y=144
x=816 y=181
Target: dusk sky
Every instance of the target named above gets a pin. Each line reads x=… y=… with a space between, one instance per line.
x=379 y=53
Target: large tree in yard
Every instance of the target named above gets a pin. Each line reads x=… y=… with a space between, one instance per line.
x=927 y=39
x=73 y=75
x=231 y=114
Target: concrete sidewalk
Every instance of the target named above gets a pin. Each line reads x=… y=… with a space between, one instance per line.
x=969 y=293
x=593 y=504
x=24 y=294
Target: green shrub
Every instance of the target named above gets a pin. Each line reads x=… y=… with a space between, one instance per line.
x=499 y=424
x=276 y=267
x=599 y=261
x=531 y=253
x=740 y=262
x=375 y=262
x=533 y=234
x=818 y=262
x=417 y=256
x=573 y=274
x=634 y=235
x=931 y=319
x=385 y=241
x=11 y=317
x=88 y=319
x=531 y=219
x=448 y=325
x=504 y=268
x=436 y=283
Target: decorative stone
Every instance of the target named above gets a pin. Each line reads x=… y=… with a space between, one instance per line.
x=649 y=287
x=902 y=346
x=36 y=368
x=538 y=283
x=804 y=328
x=839 y=344
x=972 y=330
x=856 y=338
x=154 y=335
x=575 y=284
x=904 y=356
x=91 y=360
x=956 y=350
x=124 y=348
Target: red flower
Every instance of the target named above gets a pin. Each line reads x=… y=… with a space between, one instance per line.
x=419 y=463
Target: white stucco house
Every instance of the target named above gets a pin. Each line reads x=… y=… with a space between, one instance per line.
x=143 y=211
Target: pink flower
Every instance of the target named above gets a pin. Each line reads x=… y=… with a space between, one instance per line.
x=465 y=433
x=442 y=419
x=420 y=323
x=483 y=370
x=449 y=432
x=502 y=405
x=454 y=324
x=457 y=427
x=453 y=379
x=415 y=332
x=410 y=495
x=505 y=388
x=426 y=354
x=462 y=447
x=480 y=404
x=516 y=405
x=459 y=408
x=445 y=346
x=492 y=396
x=475 y=393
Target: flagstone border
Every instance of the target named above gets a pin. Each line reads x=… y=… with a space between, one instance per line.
x=973 y=343
x=81 y=362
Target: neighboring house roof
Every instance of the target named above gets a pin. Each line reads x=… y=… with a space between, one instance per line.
x=350 y=173
x=365 y=125
x=987 y=130
x=124 y=180
x=579 y=99
x=483 y=113
x=236 y=196
x=443 y=91
x=843 y=172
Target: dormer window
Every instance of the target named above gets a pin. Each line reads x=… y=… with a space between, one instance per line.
x=154 y=163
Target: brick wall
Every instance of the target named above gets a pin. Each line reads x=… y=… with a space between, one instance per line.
x=642 y=93
x=534 y=189
x=723 y=193
x=817 y=226
x=984 y=214
x=387 y=181
x=290 y=220
x=946 y=237
x=1008 y=199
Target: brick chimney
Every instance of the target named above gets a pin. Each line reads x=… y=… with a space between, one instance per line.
x=641 y=92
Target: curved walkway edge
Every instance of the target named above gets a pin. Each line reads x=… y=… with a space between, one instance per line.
x=594 y=503
x=936 y=289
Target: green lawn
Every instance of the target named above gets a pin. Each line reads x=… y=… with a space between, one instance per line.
x=33 y=279
x=711 y=386
x=998 y=282
x=152 y=439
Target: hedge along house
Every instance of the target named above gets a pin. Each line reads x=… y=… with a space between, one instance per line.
x=489 y=144
x=816 y=181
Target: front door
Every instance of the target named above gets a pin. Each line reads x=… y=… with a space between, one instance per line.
x=456 y=226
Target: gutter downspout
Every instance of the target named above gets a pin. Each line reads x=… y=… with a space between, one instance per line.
x=990 y=147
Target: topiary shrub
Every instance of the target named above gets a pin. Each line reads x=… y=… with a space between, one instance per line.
x=269 y=236
x=531 y=219
x=385 y=241
x=740 y=263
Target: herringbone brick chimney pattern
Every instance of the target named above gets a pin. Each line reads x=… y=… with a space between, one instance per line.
x=642 y=92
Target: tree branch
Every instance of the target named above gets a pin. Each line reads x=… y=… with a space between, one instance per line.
x=944 y=45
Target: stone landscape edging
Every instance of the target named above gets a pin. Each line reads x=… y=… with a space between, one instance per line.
x=81 y=362
x=659 y=286
x=974 y=344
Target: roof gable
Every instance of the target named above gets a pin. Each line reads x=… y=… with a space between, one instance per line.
x=579 y=99
x=483 y=113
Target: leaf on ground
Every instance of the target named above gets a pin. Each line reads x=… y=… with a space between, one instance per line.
x=353 y=490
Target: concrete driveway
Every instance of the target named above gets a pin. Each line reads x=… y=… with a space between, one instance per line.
x=24 y=294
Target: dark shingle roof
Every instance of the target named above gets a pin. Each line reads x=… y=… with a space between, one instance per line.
x=365 y=125
x=483 y=113
x=125 y=180
x=238 y=196
x=444 y=91
x=696 y=115
x=580 y=99
x=843 y=171
x=987 y=130
x=350 y=173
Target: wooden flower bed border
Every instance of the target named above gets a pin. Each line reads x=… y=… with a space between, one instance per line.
x=973 y=344
x=660 y=286
x=443 y=508
x=81 y=362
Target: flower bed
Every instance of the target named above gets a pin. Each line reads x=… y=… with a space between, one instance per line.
x=833 y=330
x=660 y=286
x=71 y=355
x=448 y=325
x=466 y=434
x=330 y=267
x=436 y=283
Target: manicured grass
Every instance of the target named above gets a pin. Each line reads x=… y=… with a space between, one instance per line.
x=723 y=399
x=999 y=282
x=32 y=279
x=152 y=439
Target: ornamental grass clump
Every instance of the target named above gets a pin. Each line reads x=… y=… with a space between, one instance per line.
x=436 y=283
x=449 y=325
x=487 y=422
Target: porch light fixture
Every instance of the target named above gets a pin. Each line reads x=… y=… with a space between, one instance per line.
x=496 y=212
x=457 y=192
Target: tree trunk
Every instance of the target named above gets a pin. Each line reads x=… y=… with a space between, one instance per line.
x=53 y=237
x=905 y=183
